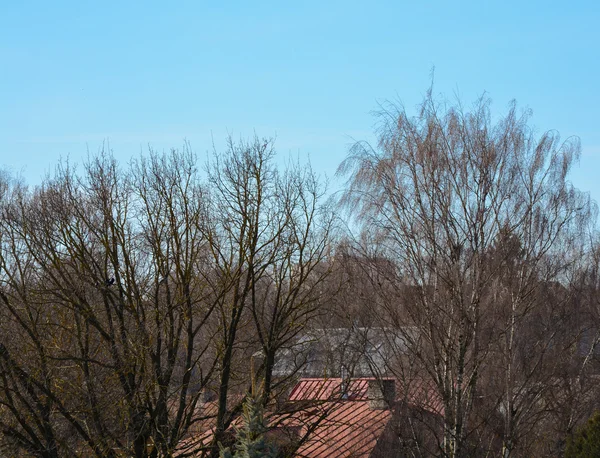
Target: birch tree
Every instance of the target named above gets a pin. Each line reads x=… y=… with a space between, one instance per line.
x=438 y=192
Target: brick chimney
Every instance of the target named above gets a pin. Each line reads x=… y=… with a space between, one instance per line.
x=381 y=393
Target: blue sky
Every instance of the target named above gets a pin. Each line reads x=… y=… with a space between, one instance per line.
x=75 y=74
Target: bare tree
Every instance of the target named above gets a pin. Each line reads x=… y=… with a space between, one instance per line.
x=440 y=191
x=268 y=236
x=127 y=296
x=99 y=280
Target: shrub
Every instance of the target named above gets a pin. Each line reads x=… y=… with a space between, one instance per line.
x=586 y=441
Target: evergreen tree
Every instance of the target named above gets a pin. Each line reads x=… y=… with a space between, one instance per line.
x=250 y=437
x=586 y=442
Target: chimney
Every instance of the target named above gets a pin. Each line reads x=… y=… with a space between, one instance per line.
x=381 y=393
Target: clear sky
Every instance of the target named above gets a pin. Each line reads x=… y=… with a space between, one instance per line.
x=75 y=74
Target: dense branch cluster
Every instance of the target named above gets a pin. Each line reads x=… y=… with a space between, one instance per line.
x=128 y=296
x=491 y=245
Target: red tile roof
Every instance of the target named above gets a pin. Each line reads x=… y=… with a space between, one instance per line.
x=417 y=393
x=347 y=426
x=318 y=389
x=339 y=426
x=347 y=429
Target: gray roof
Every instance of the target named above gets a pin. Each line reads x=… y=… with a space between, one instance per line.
x=342 y=352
